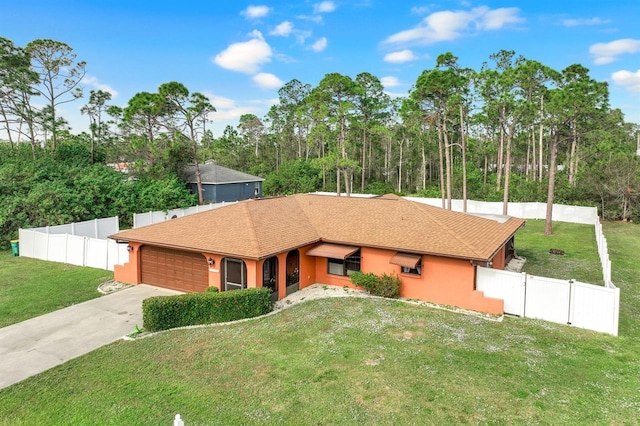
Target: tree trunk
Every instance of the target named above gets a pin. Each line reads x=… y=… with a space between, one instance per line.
x=442 y=191
x=423 y=169
x=400 y=166
x=364 y=157
x=500 y=159
x=464 y=160
x=507 y=174
x=573 y=159
x=447 y=159
x=553 y=148
x=540 y=147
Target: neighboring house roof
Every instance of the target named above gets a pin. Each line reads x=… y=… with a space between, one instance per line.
x=214 y=174
x=257 y=229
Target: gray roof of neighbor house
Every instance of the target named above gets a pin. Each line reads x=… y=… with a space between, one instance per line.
x=214 y=174
x=257 y=229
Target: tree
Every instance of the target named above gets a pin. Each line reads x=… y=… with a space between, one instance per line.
x=186 y=115
x=370 y=102
x=16 y=79
x=434 y=91
x=94 y=109
x=334 y=102
x=60 y=77
x=252 y=130
x=575 y=100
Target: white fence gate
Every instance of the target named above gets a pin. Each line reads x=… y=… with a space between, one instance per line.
x=561 y=301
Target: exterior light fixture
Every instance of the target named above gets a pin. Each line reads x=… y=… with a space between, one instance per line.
x=129 y=248
x=211 y=262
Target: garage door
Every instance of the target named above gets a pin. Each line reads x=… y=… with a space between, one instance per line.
x=177 y=270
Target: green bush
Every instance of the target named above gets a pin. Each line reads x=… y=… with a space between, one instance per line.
x=383 y=286
x=212 y=290
x=165 y=312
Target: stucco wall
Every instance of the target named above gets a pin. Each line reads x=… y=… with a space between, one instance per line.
x=443 y=280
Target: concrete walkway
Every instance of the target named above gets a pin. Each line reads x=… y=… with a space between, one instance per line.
x=40 y=343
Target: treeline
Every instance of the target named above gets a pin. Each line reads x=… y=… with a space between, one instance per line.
x=65 y=187
x=511 y=130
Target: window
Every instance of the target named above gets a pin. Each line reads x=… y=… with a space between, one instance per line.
x=414 y=271
x=410 y=263
x=346 y=266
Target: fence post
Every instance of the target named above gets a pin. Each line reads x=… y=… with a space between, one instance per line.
x=177 y=421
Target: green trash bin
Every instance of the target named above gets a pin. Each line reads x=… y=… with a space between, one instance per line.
x=15 y=247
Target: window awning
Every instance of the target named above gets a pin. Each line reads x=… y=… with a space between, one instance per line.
x=407 y=260
x=334 y=251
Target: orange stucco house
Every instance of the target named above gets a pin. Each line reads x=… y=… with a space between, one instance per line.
x=288 y=243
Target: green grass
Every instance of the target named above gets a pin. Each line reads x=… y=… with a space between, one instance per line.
x=580 y=261
x=31 y=287
x=358 y=361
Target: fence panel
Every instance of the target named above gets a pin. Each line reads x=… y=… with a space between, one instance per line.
x=149 y=218
x=547 y=299
x=117 y=254
x=40 y=245
x=505 y=285
x=96 y=253
x=57 y=248
x=595 y=308
x=27 y=242
x=75 y=250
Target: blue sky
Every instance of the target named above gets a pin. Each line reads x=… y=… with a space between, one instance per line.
x=239 y=54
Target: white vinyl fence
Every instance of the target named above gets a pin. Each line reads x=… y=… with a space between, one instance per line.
x=561 y=301
x=561 y=212
x=81 y=244
x=149 y=218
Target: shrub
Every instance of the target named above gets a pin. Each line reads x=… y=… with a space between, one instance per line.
x=212 y=290
x=165 y=312
x=383 y=286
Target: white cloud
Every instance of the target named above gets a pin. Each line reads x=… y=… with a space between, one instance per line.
x=583 y=21
x=419 y=10
x=605 y=53
x=324 y=7
x=227 y=109
x=400 y=56
x=319 y=45
x=450 y=25
x=628 y=79
x=390 y=81
x=246 y=57
x=255 y=12
x=498 y=18
x=283 y=29
x=92 y=81
x=267 y=81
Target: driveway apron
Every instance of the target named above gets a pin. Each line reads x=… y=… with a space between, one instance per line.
x=40 y=343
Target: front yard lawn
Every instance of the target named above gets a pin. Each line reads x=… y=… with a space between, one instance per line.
x=31 y=287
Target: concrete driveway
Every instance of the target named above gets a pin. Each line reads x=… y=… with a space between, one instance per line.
x=35 y=345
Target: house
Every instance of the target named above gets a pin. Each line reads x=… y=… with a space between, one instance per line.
x=288 y=243
x=220 y=184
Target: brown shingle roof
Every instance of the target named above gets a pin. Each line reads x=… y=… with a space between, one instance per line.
x=261 y=228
